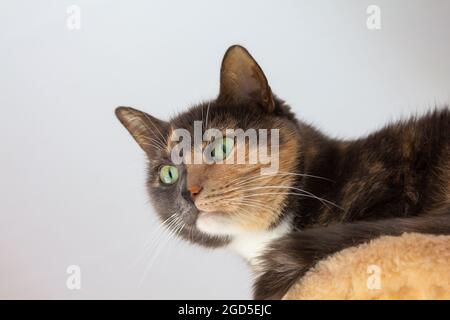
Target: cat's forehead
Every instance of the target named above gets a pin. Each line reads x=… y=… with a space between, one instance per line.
x=220 y=116
x=206 y=117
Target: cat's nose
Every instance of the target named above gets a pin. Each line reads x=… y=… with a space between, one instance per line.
x=194 y=190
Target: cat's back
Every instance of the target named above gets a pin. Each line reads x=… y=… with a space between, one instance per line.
x=420 y=144
x=402 y=168
x=416 y=135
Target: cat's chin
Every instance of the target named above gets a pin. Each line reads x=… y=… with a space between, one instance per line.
x=215 y=224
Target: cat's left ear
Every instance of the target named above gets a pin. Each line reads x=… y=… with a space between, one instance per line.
x=149 y=132
x=242 y=80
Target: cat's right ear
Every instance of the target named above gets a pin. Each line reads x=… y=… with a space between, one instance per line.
x=242 y=79
x=149 y=132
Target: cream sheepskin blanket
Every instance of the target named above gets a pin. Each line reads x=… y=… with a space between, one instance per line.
x=411 y=266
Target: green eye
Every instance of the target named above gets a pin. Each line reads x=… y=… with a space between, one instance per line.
x=222 y=148
x=168 y=174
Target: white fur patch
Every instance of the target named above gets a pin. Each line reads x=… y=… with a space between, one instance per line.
x=216 y=224
x=248 y=244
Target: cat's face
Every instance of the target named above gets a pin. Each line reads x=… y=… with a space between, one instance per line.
x=211 y=201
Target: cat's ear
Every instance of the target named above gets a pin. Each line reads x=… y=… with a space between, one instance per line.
x=242 y=80
x=149 y=132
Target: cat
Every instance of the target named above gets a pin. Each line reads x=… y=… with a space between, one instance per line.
x=327 y=194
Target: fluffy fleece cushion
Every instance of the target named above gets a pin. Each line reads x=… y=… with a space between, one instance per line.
x=411 y=266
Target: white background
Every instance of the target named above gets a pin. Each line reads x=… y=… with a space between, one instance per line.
x=72 y=179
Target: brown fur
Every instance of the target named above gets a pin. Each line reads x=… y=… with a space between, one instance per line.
x=258 y=212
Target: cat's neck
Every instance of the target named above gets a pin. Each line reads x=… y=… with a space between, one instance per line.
x=251 y=245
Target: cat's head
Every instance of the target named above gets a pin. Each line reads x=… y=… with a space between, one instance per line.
x=212 y=201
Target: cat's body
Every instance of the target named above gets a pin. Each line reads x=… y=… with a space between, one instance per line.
x=327 y=195
x=400 y=170
x=395 y=180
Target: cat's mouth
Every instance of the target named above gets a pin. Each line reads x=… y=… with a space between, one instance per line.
x=214 y=223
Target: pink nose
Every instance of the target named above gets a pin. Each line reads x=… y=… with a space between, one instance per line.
x=194 y=190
